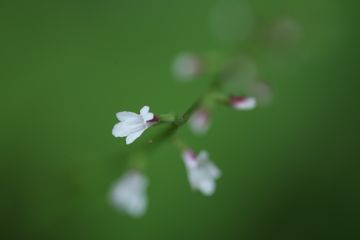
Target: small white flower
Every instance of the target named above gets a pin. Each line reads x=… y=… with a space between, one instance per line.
x=200 y=121
x=186 y=66
x=242 y=103
x=128 y=194
x=285 y=32
x=202 y=173
x=132 y=125
x=262 y=92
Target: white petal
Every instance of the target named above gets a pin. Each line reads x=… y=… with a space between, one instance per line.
x=203 y=156
x=137 y=207
x=207 y=187
x=214 y=170
x=126 y=116
x=133 y=136
x=120 y=130
x=147 y=116
x=144 y=110
x=123 y=129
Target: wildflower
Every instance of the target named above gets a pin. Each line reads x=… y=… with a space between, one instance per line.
x=202 y=173
x=186 y=66
x=128 y=194
x=199 y=121
x=242 y=103
x=132 y=125
x=262 y=92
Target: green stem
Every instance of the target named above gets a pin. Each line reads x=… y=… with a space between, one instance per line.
x=179 y=121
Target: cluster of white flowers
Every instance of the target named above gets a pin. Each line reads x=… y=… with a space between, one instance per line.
x=129 y=193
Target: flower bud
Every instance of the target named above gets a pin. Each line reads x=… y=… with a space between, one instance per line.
x=199 y=121
x=187 y=66
x=242 y=103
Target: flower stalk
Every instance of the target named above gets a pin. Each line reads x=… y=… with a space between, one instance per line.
x=129 y=193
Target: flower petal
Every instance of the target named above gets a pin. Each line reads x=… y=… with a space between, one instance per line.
x=207 y=187
x=147 y=116
x=120 y=130
x=123 y=129
x=133 y=136
x=214 y=170
x=126 y=116
x=203 y=156
x=144 y=110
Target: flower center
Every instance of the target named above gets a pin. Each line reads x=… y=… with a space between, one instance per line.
x=155 y=119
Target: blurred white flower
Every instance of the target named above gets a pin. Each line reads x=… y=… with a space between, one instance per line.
x=242 y=103
x=231 y=22
x=262 y=92
x=199 y=121
x=239 y=74
x=132 y=125
x=202 y=173
x=285 y=32
x=186 y=66
x=128 y=194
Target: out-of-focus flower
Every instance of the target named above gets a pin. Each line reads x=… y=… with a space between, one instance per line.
x=285 y=31
x=242 y=103
x=132 y=125
x=231 y=22
x=200 y=120
x=239 y=74
x=262 y=92
x=202 y=173
x=187 y=66
x=128 y=194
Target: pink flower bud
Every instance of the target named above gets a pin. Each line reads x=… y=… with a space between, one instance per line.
x=200 y=121
x=242 y=103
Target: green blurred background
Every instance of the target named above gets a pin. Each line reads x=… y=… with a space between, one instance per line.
x=289 y=169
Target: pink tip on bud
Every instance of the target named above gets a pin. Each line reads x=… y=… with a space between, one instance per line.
x=189 y=158
x=242 y=103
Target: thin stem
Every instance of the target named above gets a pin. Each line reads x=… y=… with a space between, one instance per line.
x=179 y=121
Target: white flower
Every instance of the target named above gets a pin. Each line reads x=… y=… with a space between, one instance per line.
x=199 y=121
x=262 y=92
x=186 y=66
x=202 y=173
x=242 y=103
x=128 y=194
x=132 y=125
x=285 y=32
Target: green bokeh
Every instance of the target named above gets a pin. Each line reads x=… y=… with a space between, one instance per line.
x=289 y=170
